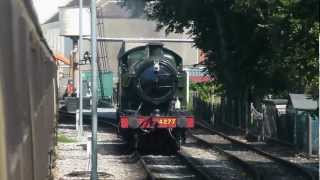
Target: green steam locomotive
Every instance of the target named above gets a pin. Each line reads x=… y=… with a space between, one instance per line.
x=152 y=97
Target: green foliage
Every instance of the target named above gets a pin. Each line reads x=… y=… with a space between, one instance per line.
x=204 y=90
x=253 y=45
x=64 y=139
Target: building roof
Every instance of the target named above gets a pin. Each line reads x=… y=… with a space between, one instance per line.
x=276 y=101
x=54 y=18
x=115 y=10
x=62 y=58
x=303 y=102
x=105 y=9
x=200 y=79
x=75 y=3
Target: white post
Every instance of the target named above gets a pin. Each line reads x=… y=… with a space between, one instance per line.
x=80 y=76
x=94 y=69
x=89 y=141
x=188 y=87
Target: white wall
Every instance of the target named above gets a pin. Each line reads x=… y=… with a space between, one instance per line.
x=58 y=44
x=47 y=8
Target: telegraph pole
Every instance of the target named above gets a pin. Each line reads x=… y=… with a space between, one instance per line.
x=79 y=68
x=94 y=90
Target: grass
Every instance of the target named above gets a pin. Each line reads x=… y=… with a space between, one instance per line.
x=64 y=139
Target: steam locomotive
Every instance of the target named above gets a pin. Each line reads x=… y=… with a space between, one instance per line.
x=152 y=97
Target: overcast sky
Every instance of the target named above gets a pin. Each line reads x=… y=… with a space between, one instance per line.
x=47 y=8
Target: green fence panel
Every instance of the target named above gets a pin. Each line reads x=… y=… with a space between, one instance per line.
x=302 y=131
x=107 y=82
x=315 y=134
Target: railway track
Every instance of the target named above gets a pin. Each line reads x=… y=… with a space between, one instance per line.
x=216 y=162
x=209 y=154
x=195 y=161
x=107 y=122
x=175 y=166
x=263 y=165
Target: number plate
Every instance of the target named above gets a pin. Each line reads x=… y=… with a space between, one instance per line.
x=167 y=121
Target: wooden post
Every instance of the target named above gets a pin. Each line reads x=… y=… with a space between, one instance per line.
x=295 y=128
x=239 y=112
x=264 y=111
x=222 y=109
x=251 y=114
x=246 y=117
x=231 y=111
x=309 y=134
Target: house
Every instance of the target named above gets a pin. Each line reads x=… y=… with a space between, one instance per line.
x=303 y=115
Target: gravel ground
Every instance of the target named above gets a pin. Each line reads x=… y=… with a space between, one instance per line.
x=267 y=168
x=113 y=162
x=216 y=164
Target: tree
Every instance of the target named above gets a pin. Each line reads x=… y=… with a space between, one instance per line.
x=254 y=46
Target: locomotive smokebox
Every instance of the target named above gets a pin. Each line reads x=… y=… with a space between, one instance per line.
x=155 y=76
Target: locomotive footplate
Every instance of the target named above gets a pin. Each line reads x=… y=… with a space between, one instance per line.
x=147 y=122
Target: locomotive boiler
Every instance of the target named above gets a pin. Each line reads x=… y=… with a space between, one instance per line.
x=152 y=97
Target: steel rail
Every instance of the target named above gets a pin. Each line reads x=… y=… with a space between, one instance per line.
x=198 y=170
x=106 y=122
x=183 y=157
x=251 y=170
x=150 y=176
x=260 y=152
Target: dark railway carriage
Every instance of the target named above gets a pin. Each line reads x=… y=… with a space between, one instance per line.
x=152 y=96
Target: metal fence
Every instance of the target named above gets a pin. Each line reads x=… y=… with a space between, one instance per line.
x=304 y=131
x=208 y=111
x=263 y=122
x=298 y=128
x=224 y=113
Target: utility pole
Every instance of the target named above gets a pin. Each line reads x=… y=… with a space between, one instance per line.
x=79 y=68
x=94 y=90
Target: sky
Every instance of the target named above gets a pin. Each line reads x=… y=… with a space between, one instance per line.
x=47 y=8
